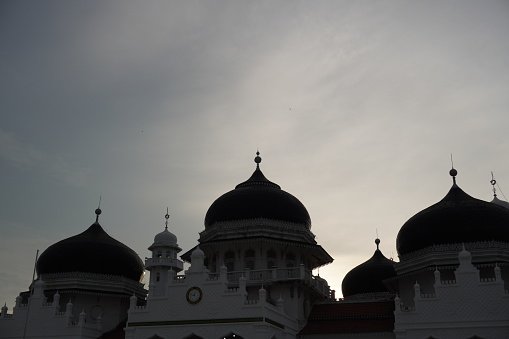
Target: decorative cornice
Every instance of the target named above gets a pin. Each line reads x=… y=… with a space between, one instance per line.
x=262 y=224
x=456 y=247
x=48 y=277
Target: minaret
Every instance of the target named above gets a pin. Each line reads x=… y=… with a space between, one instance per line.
x=164 y=258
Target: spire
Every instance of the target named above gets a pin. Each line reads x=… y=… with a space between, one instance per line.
x=493 y=182
x=98 y=211
x=257 y=159
x=167 y=216
x=377 y=242
x=453 y=173
x=496 y=200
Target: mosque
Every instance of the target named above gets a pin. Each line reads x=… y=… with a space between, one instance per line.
x=250 y=276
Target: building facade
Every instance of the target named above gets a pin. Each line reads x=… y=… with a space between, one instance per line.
x=250 y=276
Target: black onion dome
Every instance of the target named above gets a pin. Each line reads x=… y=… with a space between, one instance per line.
x=92 y=251
x=457 y=218
x=257 y=198
x=368 y=277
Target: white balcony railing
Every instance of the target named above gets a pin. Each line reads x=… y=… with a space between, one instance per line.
x=149 y=262
x=267 y=276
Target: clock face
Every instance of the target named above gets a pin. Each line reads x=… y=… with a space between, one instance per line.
x=194 y=295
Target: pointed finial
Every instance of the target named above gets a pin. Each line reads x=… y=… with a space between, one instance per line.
x=453 y=173
x=167 y=216
x=257 y=159
x=98 y=211
x=493 y=182
x=377 y=242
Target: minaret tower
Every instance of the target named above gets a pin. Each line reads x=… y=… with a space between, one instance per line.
x=164 y=258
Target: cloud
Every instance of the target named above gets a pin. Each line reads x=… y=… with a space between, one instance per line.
x=26 y=156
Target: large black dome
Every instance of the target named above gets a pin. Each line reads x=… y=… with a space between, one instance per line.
x=368 y=277
x=92 y=251
x=457 y=218
x=257 y=198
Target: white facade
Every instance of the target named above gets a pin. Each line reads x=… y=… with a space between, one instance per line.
x=60 y=319
x=464 y=307
x=204 y=305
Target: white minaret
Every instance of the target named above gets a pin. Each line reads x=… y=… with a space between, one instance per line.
x=164 y=258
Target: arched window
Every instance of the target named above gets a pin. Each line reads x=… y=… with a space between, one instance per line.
x=250 y=259
x=158 y=276
x=168 y=254
x=271 y=259
x=159 y=254
x=229 y=260
x=290 y=260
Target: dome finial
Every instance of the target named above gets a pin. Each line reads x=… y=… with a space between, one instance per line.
x=167 y=216
x=98 y=211
x=257 y=159
x=377 y=241
x=453 y=173
x=493 y=182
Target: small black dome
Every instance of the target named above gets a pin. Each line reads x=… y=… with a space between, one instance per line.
x=92 y=251
x=257 y=198
x=457 y=218
x=368 y=277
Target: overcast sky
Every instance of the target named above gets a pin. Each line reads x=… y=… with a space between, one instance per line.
x=355 y=106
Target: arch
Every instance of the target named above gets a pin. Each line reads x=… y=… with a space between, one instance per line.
x=231 y=335
x=193 y=336
x=271 y=258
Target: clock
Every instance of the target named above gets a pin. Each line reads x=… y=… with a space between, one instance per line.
x=194 y=295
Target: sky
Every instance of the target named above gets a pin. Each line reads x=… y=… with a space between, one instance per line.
x=355 y=107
